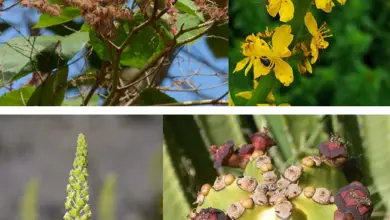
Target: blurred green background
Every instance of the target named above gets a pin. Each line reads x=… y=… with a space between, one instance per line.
x=353 y=71
x=187 y=162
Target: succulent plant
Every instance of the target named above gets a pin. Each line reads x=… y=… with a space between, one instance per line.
x=315 y=188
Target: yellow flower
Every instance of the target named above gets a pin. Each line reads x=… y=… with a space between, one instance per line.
x=285 y=8
x=230 y=101
x=327 y=5
x=248 y=95
x=319 y=35
x=265 y=56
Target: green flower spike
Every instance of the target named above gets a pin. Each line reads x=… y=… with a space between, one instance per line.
x=77 y=200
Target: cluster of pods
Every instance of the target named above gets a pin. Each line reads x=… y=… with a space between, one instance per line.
x=260 y=190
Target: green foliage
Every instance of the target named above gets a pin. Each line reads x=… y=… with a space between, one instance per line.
x=107 y=204
x=153 y=96
x=67 y=14
x=95 y=99
x=297 y=136
x=17 y=97
x=354 y=70
x=29 y=206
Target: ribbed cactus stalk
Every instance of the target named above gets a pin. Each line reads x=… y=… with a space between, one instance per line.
x=313 y=189
x=76 y=202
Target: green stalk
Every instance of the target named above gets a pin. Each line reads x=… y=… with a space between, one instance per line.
x=259 y=95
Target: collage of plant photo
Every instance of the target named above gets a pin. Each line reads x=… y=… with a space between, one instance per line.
x=194 y=110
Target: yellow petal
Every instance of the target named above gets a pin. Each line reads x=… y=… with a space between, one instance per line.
x=284 y=72
x=245 y=95
x=311 y=24
x=328 y=7
x=321 y=4
x=249 y=67
x=286 y=11
x=263 y=104
x=273 y=7
x=285 y=104
x=240 y=65
x=323 y=44
x=308 y=66
x=261 y=48
x=342 y=1
x=260 y=69
x=314 y=51
x=281 y=39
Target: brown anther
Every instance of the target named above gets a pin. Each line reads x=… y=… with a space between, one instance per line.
x=282 y=183
x=205 y=189
x=309 y=191
x=235 y=210
x=247 y=183
x=322 y=196
x=269 y=177
x=293 y=190
x=219 y=183
x=293 y=172
x=260 y=198
x=283 y=210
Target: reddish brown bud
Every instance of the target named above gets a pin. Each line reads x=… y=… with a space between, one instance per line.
x=262 y=141
x=210 y=214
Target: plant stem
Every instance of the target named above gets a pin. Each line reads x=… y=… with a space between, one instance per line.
x=259 y=95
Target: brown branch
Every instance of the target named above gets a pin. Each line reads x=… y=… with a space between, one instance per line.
x=201 y=102
x=11 y=6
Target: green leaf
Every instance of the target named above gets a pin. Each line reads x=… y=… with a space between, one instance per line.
x=52 y=91
x=188 y=21
x=188 y=7
x=17 y=97
x=94 y=101
x=184 y=143
x=375 y=133
x=276 y=125
x=259 y=95
x=154 y=96
x=22 y=58
x=175 y=205
x=143 y=46
x=67 y=14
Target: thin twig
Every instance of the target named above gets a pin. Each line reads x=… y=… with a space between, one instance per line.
x=201 y=102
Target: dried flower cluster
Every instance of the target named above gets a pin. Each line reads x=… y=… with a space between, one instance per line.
x=43 y=6
x=212 y=10
x=101 y=15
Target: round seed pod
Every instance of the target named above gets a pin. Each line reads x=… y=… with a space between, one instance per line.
x=333 y=148
x=262 y=160
x=269 y=177
x=307 y=161
x=283 y=210
x=293 y=190
x=219 y=183
x=229 y=179
x=247 y=203
x=260 y=198
x=266 y=167
x=257 y=153
x=293 y=173
x=205 y=189
x=235 y=210
x=309 y=191
x=199 y=199
x=282 y=183
x=247 y=183
x=322 y=196
x=277 y=196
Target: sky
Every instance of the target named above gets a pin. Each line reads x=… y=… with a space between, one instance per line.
x=185 y=66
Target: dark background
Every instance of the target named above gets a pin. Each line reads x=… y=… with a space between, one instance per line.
x=354 y=70
x=43 y=147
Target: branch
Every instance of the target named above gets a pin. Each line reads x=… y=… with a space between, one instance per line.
x=11 y=6
x=201 y=102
